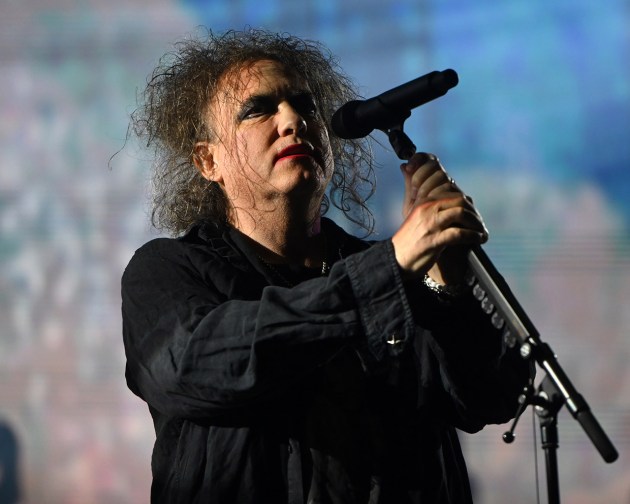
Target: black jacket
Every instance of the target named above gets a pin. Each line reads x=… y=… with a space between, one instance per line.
x=271 y=385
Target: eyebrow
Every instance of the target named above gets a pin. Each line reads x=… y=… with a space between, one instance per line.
x=258 y=98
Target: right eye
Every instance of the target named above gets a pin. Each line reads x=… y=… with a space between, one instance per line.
x=250 y=113
x=252 y=109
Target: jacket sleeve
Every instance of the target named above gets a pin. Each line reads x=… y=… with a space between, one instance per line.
x=464 y=360
x=194 y=354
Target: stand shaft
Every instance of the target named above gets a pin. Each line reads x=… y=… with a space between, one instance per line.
x=549 y=438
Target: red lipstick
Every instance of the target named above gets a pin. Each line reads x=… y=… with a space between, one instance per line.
x=295 y=150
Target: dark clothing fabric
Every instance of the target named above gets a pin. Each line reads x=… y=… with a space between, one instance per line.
x=9 y=459
x=269 y=384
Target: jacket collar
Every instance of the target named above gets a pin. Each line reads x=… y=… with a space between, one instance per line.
x=230 y=244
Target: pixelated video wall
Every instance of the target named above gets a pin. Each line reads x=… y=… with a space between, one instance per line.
x=537 y=131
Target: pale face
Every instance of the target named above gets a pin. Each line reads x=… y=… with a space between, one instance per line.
x=272 y=145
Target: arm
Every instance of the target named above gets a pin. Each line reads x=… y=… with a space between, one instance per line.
x=481 y=378
x=194 y=353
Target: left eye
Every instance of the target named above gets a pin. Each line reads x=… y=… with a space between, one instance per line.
x=256 y=107
x=253 y=112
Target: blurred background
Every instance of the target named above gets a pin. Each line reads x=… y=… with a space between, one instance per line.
x=537 y=131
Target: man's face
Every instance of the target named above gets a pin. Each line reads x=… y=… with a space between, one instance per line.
x=270 y=141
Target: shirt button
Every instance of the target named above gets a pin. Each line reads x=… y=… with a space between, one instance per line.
x=393 y=340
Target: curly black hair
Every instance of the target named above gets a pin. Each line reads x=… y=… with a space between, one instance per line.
x=170 y=119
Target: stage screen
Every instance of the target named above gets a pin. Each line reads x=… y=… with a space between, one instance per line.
x=537 y=132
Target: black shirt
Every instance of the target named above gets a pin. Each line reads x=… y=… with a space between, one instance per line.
x=270 y=385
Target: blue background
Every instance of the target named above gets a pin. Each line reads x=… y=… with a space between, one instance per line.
x=537 y=131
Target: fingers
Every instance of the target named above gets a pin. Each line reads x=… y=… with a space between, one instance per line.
x=419 y=168
x=438 y=217
x=433 y=226
x=464 y=224
x=424 y=177
x=454 y=212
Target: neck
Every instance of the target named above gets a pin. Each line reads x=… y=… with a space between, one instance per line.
x=284 y=236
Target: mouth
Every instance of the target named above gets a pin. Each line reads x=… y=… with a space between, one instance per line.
x=295 y=151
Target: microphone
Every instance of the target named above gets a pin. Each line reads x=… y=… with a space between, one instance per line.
x=358 y=118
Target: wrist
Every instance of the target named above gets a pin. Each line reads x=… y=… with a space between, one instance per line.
x=445 y=291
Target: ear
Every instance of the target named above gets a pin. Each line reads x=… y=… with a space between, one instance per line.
x=204 y=160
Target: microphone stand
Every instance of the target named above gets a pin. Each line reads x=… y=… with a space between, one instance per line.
x=556 y=390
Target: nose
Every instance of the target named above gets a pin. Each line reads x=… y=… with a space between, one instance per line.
x=290 y=121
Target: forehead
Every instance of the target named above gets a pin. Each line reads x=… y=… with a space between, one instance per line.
x=259 y=77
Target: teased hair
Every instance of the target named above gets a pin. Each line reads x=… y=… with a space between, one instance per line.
x=170 y=119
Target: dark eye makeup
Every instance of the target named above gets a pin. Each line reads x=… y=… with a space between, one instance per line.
x=256 y=106
x=260 y=105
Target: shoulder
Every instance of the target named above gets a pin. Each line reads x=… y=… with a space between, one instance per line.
x=202 y=249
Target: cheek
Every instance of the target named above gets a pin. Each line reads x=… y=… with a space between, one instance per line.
x=238 y=167
x=247 y=149
x=329 y=162
x=232 y=157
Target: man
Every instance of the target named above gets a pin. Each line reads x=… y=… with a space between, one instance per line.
x=282 y=359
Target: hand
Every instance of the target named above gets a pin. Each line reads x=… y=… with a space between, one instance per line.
x=441 y=223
